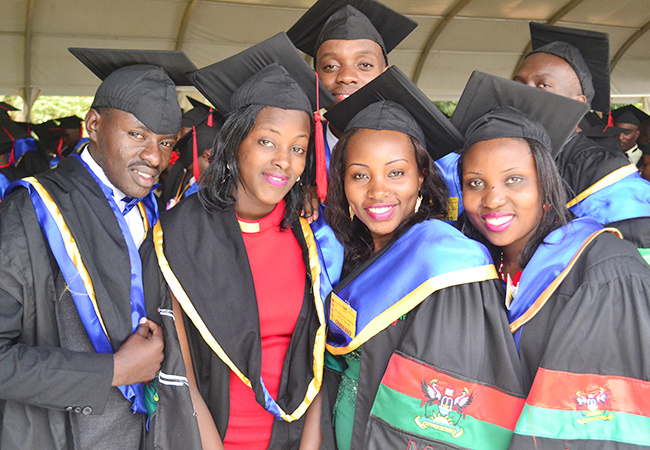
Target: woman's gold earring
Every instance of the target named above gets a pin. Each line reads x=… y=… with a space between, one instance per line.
x=351 y=213
x=418 y=202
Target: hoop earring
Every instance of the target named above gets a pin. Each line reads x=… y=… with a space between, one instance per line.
x=418 y=202
x=351 y=213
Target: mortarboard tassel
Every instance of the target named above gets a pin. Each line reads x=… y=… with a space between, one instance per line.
x=321 y=165
x=173 y=158
x=210 y=121
x=12 y=155
x=195 y=155
x=59 y=147
x=610 y=121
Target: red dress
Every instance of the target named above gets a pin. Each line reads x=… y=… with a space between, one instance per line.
x=275 y=259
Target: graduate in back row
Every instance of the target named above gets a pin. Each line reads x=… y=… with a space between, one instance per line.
x=578 y=296
x=601 y=183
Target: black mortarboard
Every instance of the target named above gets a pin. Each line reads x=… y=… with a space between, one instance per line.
x=140 y=82
x=197 y=114
x=592 y=126
x=630 y=114
x=7 y=107
x=10 y=132
x=350 y=20
x=485 y=93
x=506 y=122
x=70 y=122
x=587 y=52
x=271 y=73
x=47 y=132
x=287 y=80
x=392 y=102
x=205 y=136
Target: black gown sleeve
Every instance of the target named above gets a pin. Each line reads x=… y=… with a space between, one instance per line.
x=586 y=356
x=34 y=369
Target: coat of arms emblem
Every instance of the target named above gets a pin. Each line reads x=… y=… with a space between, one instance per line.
x=593 y=405
x=443 y=407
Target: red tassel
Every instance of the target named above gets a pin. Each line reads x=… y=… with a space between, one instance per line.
x=210 y=121
x=173 y=159
x=11 y=157
x=321 y=164
x=59 y=147
x=195 y=155
x=610 y=121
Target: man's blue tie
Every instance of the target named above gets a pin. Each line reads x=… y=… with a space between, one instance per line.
x=129 y=203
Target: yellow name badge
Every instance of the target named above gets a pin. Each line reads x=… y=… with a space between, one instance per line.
x=343 y=315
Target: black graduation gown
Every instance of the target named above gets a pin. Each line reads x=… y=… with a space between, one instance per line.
x=39 y=378
x=460 y=332
x=582 y=163
x=208 y=264
x=592 y=333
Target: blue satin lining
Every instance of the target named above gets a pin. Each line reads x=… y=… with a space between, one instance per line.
x=191 y=189
x=22 y=146
x=550 y=259
x=426 y=250
x=4 y=184
x=328 y=151
x=628 y=198
x=330 y=254
x=448 y=166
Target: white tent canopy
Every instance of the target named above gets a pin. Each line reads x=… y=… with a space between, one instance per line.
x=454 y=37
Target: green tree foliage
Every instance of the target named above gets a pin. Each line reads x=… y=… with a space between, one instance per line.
x=49 y=107
x=447 y=107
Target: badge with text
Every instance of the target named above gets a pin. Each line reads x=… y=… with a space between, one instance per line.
x=343 y=315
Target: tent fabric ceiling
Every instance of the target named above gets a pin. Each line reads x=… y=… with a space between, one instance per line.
x=485 y=35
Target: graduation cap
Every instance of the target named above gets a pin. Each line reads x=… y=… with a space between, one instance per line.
x=200 y=138
x=48 y=131
x=392 y=102
x=9 y=132
x=197 y=114
x=592 y=126
x=630 y=114
x=225 y=83
x=7 y=107
x=587 y=52
x=485 y=93
x=69 y=123
x=15 y=140
x=271 y=73
x=140 y=82
x=350 y=20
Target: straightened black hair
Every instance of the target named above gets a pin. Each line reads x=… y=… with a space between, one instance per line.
x=353 y=234
x=219 y=182
x=552 y=190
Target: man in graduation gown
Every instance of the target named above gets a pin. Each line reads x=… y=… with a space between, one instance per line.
x=629 y=118
x=77 y=338
x=349 y=41
x=604 y=185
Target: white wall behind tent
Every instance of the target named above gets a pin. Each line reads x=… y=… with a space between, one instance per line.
x=454 y=38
